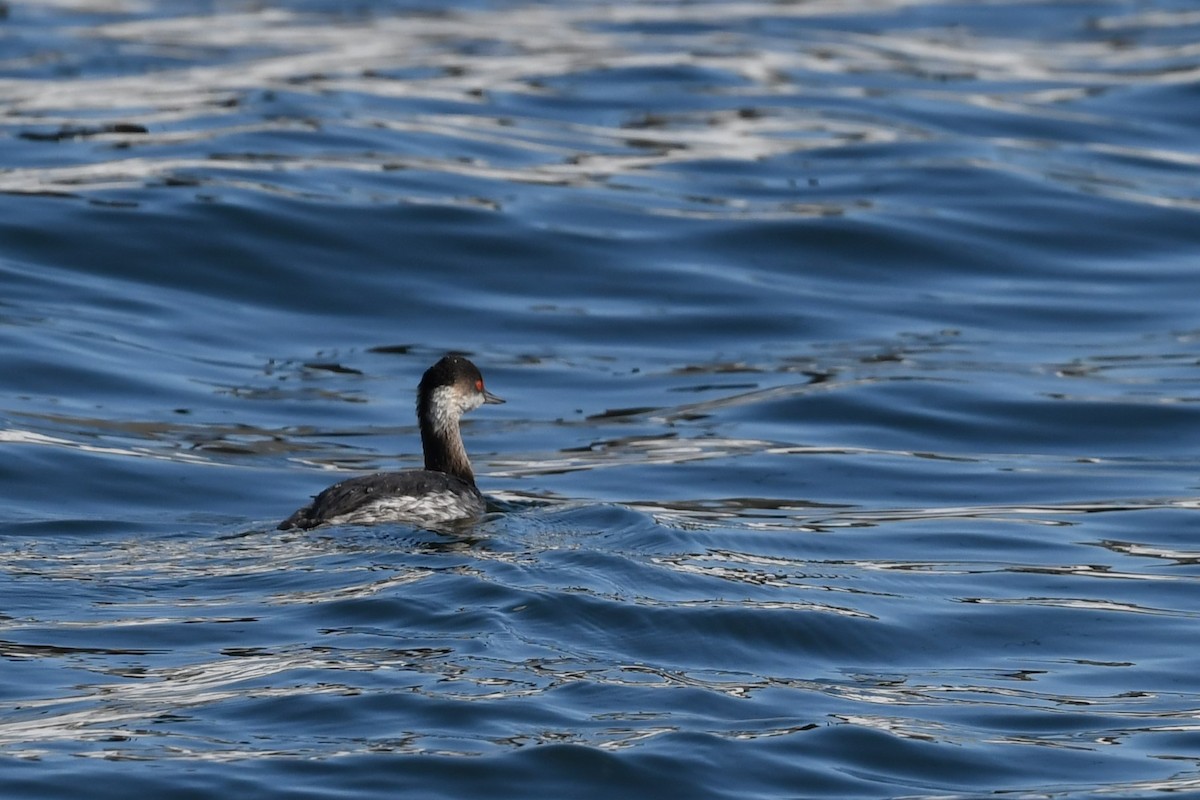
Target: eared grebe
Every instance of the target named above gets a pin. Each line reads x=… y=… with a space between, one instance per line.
x=444 y=491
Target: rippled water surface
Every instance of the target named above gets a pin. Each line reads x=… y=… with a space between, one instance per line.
x=852 y=360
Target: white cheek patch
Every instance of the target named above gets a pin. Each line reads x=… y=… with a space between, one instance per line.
x=448 y=404
x=472 y=401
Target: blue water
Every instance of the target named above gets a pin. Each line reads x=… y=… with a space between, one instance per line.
x=852 y=359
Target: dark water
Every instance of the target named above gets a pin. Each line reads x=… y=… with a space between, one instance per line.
x=852 y=361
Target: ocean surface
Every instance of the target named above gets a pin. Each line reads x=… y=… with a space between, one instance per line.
x=852 y=359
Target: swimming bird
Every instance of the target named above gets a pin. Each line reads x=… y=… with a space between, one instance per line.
x=442 y=492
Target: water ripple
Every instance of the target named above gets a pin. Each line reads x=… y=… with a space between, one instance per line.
x=851 y=358
x=765 y=83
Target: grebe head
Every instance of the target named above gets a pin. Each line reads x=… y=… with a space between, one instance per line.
x=451 y=388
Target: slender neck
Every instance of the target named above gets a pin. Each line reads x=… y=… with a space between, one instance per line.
x=441 y=439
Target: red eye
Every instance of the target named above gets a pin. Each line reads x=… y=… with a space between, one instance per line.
x=479 y=385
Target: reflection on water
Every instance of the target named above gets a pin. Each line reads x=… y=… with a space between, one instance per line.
x=191 y=101
x=135 y=686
